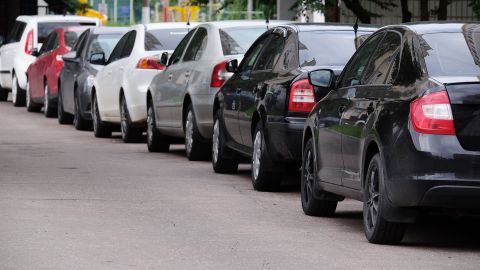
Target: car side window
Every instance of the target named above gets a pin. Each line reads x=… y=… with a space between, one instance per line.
x=54 y=42
x=46 y=45
x=17 y=31
x=252 y=54
x=117 y=51
x=377 y=71
x=288 y=57
x=356 y=67
x=271 y=53
x=79 y=44
x=177 y=54
x=129 y=43
x=197 y=46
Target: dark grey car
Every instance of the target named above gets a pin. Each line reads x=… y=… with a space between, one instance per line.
x=76 y=78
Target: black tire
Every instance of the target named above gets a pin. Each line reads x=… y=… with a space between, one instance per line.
x=31 y=107
x=64 y=118
x=79 y=122
x=130 y=134
x=100 y=130
x=48 y=107
x=220 y=163
x=196 y=148
x=311 y=205
x=156 y=142
x=3 y=94
x=262 y=179
x=377 y=229
x=19 y=98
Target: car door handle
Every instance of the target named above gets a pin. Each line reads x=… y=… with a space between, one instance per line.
x=341 y=109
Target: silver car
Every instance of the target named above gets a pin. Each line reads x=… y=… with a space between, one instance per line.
x=180 y=99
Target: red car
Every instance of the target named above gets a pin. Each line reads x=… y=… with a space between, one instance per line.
x=42 y=75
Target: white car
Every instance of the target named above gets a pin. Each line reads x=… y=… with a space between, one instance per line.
x=119 y=89
x=25 y=38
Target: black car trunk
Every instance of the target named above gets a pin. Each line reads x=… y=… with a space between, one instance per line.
x=465 y=103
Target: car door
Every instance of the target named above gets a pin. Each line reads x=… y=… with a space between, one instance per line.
x=37 y=76
x=8 y=51
x=168 y=81
x=260 y=81
x=363 y=101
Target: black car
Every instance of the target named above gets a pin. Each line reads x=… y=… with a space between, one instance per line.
x=400 y=129
x=260 y=112
x=76 y=78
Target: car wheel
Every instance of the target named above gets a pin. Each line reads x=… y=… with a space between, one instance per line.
x=64 y=118
x=262 y=179
x=129 y=134
x=79 y=122
x=156 y=142
x=220 y=163
x=18 y=98
x=312 y=206
x=377 y=229
x=3 y=94
x=31 y=107
x=99 y=129
x=195 y=146
x=48 y=109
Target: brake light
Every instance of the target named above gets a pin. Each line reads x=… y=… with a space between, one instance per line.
x=219 y=74
x=29 y=43
x=149 y=63
x=432 y=114
x=302 y=97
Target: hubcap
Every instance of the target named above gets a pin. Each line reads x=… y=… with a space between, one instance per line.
x=45 y=98
x=28 y=94
x=150 y=125
x=14 y=89
x=123 y=109
x=75 y=111
x=189 y=132
x=308 y=177
x=372 y=200
x=257 y=153
x=95 y=115
x=216 y=143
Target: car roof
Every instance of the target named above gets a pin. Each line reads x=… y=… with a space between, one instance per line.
x=168 y=25
x=305 y=27
x=243 y=23
x=438 y=26
x=55 y=18
x=109 y=30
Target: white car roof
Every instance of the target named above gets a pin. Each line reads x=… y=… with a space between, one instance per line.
x=168 y=25
x=56 y=18
x=243 y=23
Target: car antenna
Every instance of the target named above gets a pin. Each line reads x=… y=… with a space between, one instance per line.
x=267 y=21
x=188 y=20
x=355 y=27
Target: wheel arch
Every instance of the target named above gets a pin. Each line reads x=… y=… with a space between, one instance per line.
x=370 y=151
x=258 y=115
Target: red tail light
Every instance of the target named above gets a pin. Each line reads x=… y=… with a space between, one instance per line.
x=219 y=74
x=150 y=63
x=302 y=97
x=29 y=43
x=432 y=114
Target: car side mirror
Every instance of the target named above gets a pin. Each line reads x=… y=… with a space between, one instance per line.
x=98 y=59
x=321 y=78
x=232 y=66
x=70 y=56
x=164 y=59
x=35 y=52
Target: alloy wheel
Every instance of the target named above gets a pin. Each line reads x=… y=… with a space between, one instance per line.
x=189 y=132
x=373 y=197
x=150 y=125
x=28 y=94
x=123 y=116
x=45 y=98
x=308 y=176
x=14 y=89
x=75 y=111
x=95 y=115
x=216 y=143
x=257 y=153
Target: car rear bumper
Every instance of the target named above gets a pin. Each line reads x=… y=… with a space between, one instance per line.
x=284 y=138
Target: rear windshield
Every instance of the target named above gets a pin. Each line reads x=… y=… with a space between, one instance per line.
x=71 y=37
x=450 y=54
x=238 y=40
x=163 y=39
x=327 y=48
x=16 y=33
x=103 y=43
x=44 y=29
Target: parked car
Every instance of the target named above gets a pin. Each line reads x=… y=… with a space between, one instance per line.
x=76 y=78
x=260 y=112
x=180 y=99
x=399 y=130
x=27 y=35
x=119 y=94
x=43 y=74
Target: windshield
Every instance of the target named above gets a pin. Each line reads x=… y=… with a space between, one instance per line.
x=103 y=43
x=163 y=39
x=327 y=48
x=440 y=60
x=238 y=40
x=44 y=29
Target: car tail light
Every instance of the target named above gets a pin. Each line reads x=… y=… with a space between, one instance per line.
x=219 y=74
x=302 y=97
x=29 y=43
x=432 y=114
x=150 y=63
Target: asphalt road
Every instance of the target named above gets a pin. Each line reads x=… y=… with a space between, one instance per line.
x=71 y=201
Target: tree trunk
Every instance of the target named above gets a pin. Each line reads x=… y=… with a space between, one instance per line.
x=406 y=14
x=145 y=11
x=356 y=7
x=424 y=13
x=442 y=9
